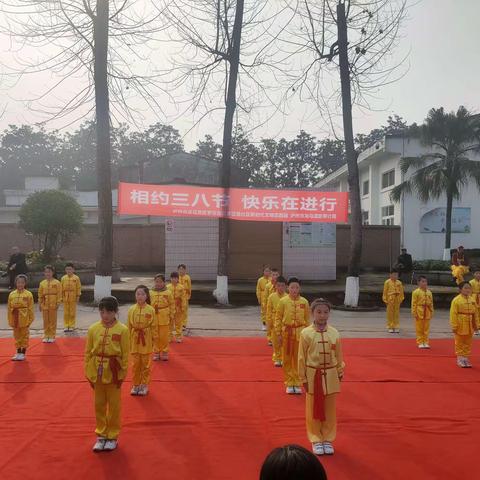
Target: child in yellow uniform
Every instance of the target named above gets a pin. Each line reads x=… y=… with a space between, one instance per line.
x=49 y=298
x=106 y=363
x=180 y=297
x=162 y=301
x=320 y=367
x=20 y=316
x=261 y=286
x=269 y=289
x=186 y=282
x=272 y=305
x=292 y=316
x=422 y=311
x=464 y=320
x=143 y=336
x=475 y=283
x=393 y=297
x=71 y=291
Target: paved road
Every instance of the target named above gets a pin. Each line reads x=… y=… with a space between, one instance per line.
x=244 y=321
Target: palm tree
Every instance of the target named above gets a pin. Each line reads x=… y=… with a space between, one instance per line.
x=447 y=169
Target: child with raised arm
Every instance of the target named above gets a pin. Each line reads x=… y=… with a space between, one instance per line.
x=393 y=297
x=143 y=335
x=164 y=305
x=422 y=311
x=20 y=316
x=464 y=320
x=321 y=367
x=49 y=299
x=106 y=363
x=292 y=316
x=71 y=291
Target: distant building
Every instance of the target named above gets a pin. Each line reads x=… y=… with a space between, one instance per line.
x=422 y=224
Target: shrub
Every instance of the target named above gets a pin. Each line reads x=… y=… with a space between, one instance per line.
x=432 y=265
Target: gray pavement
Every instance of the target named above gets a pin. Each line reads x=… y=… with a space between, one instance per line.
x=244 y=322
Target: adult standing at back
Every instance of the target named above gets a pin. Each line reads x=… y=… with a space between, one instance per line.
x=17 y=265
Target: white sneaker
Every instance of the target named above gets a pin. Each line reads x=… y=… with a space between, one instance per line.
x=467 y=363
x=297 y=390
x=264 y=328
x=51 y=340
x=391 y=330
x=426 y=345
x=15 y=357
x=164 y=356
x=477 y=332
x=110 y=445
x=99 y=445
x=317 y=448
x=134 y=390
x=278 y=363
x=290 y=390
x=156 y=357
x=396 y=330
x=270 y=344
x=421 y=345
x=461 y=362
x=178 y=340
x=142 y=390
x=328 y=448
x=21 y=357
x=45 y=340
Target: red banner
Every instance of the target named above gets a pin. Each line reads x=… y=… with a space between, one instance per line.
x=241 y=203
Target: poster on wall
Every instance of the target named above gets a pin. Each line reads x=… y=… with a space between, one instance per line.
x=312 y=234
x=435 y=220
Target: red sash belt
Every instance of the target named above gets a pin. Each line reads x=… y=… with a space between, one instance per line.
x=141 y=336
x=319 y=394
x=114 y=365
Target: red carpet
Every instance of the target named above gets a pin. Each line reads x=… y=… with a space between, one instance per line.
x=218 y=407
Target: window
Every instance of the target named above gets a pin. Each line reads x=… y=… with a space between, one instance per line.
x=388 y=179
x=388 y=215
x=366 y=188
x=365 y=217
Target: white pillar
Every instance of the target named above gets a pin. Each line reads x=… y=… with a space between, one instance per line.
x=102 y=287
x=352 y=292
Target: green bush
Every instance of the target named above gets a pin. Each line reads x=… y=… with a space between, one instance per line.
x=432 y=265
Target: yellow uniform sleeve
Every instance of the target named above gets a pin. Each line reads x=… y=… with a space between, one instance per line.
x=130 y=319
x=302 y=357
x=414 y=303
x=385 y=292
x=151 y=325
x=31 y=309
x=125 y=343
x=259 y=291
x=41 y=295
x=279 y=317
x=171 y=304
x=88 y=350
x=59 y=294
x=402 y=293
x=339 y=355
x=306 y=317
x=189 y=288
x=430 y=298
x=79 y=288
x=454 y=316
x=10 y=309
x=184 y=300
x=270 y=319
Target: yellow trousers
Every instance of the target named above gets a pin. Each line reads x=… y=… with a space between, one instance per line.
x=69 y=314
x=318 y=431
x=49 y=323
x=290 y=364
x=270 y=332
x=459 y=272
x=277 y=348
x=107 y=410
x=393 y=315
x=177 y=326
x=422 y=328
x=21 y=336
x=163 y=333
x=142 y=367
x=463 y=345
x=263 y=314
x=185 y=316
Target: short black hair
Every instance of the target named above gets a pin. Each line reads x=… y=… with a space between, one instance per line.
x=159 y=275
x=462 y=284
x=281 y=279
x=292 y=462
x=274 y=270
x=421 y=277
x=69 y=264
x=21 y=276
x=174 y=275
x=293 y=280
x=394 y=270
x=49 y=267
x=110 y=304
x=182 y=265
x=145 y=289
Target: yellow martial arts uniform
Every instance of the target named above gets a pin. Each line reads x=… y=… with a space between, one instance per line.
x=320 y=368
x=261 y=287
x=186 y=282
x=269 y=289
x=164 y=305
x=273 y=325
x=106 y=364
x=20 y=316
x=49 y=298
x=464 y=320
x=458 y=267
x=393 y=297
x=180 y=298
x=292 y=316
x=422 y=312
x=476 y=293
x=71 y=291
x=143 y=335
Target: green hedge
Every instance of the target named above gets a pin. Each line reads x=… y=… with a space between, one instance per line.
x=430 y=265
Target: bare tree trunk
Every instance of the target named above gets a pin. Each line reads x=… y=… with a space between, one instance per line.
x=352 y=287
x=448 y=226
x=103 y=277
x=221 y=292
